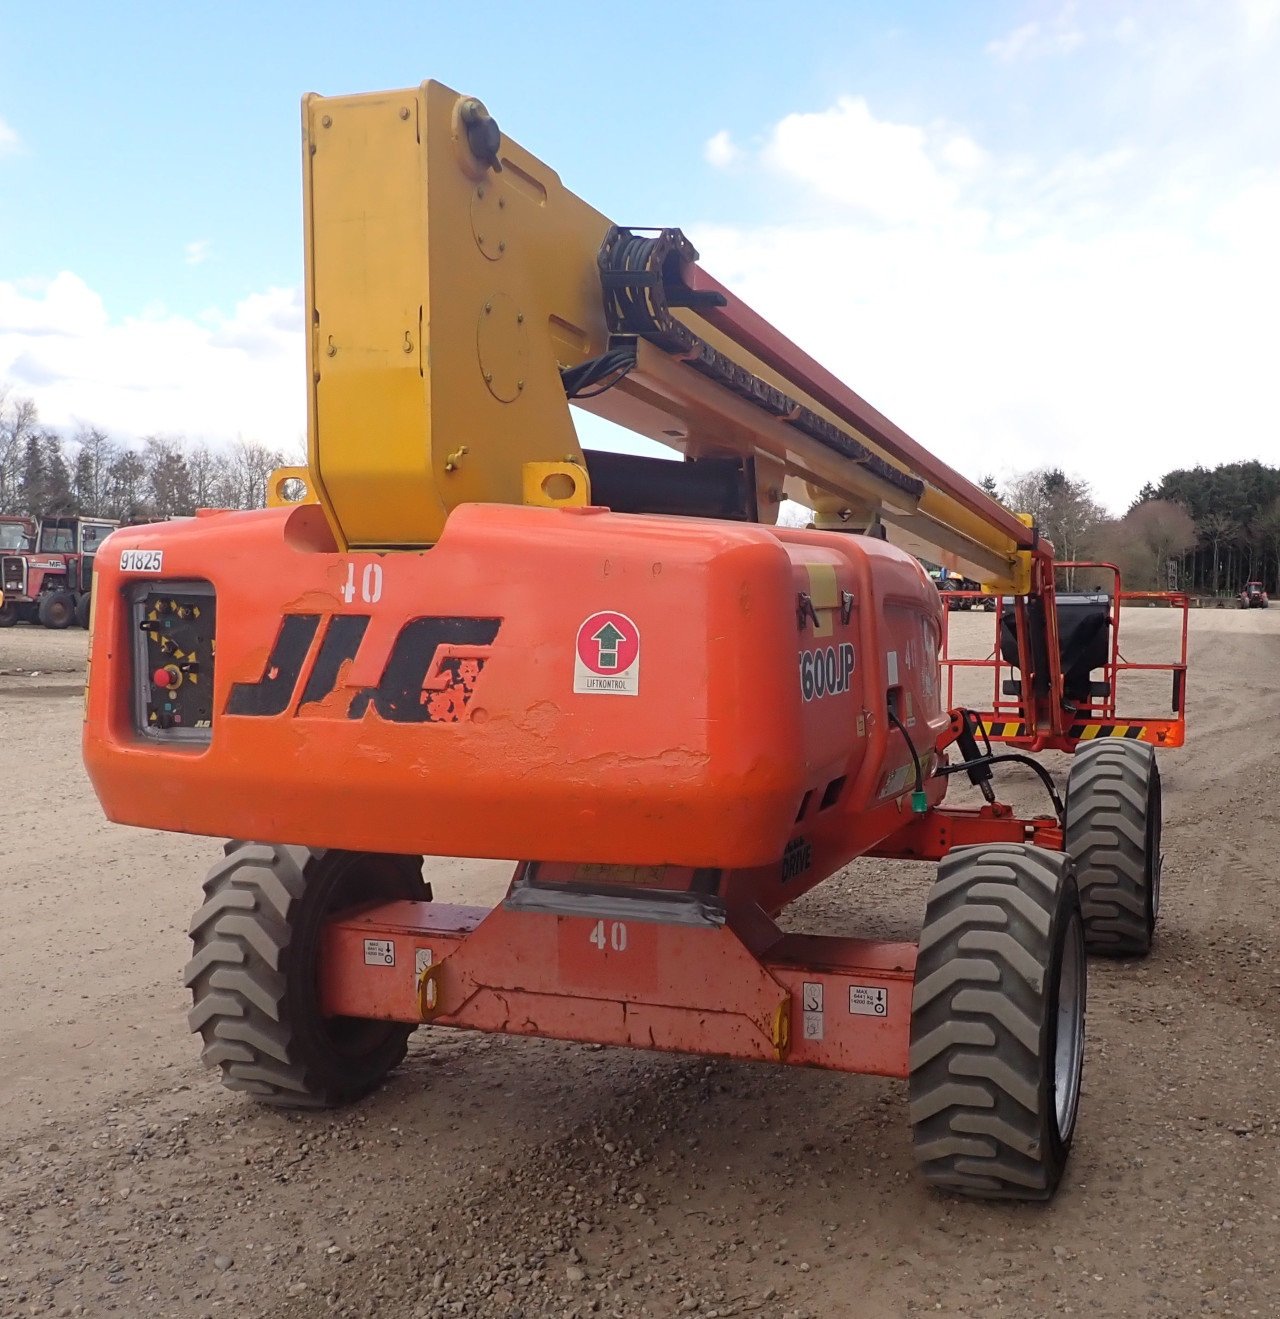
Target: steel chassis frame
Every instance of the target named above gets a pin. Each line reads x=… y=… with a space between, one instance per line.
x=676 y=971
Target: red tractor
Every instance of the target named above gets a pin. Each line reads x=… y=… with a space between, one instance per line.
x=1253 y=596
x=49 y=581
x=17 y=538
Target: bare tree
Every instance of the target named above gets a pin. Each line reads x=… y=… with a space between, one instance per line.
x=1064 y=509
x=93 y=461
x=250 y=466
x=127 y=486
x=169 y=478
x=1218 y=529
x=1266 y=526
x=1157 y=531
x=59 y=500
x=18 y=421
x=208 y=469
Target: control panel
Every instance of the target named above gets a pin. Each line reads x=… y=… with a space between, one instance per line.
x=173 y=659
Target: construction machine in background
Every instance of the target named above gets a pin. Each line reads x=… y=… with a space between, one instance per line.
x=1253 y=596
x=17 y=538
x=962 y=593
x=50 y=580
x=471 y=637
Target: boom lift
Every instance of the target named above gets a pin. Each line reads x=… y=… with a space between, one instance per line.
x=471 y=637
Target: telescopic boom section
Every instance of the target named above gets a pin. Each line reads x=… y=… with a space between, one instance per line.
x=460 y=298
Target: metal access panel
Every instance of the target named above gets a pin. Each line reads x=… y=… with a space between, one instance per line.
x=174 y=629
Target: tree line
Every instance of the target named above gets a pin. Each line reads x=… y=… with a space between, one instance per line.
x=47 y=474
x=1203 y=530
x=1206 y=530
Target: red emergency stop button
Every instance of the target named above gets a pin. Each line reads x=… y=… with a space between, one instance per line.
x=164 y=678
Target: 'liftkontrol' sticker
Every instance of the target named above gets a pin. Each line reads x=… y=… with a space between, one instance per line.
x=607 y=656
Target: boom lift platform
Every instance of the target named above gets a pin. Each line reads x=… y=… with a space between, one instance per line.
x=470 y=637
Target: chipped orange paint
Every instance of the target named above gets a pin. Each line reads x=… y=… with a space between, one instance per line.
x=721 y=760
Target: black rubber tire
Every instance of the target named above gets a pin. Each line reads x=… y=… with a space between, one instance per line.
x=57 y=609
x=82 y=611
x=8 y=614
x=1113 y=828
x=253 y=973
x=1001 y=923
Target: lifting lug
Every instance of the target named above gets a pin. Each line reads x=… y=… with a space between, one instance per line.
x=483 y=135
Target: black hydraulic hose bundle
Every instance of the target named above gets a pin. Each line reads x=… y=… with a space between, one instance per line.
x=975 y=765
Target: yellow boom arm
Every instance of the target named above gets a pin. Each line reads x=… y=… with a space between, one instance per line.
x=453 y=281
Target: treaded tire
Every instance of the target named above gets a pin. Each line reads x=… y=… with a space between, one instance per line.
x=253 y=973
x=997 y=1023
x=57 y=609
x=8 y=614
x=1113 y=828
x=82 y=611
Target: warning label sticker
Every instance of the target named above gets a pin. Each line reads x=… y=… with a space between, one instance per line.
x=812 y=1000
x=607 y=656
x=868 y=1001
x=379 y=952
x=897 y=781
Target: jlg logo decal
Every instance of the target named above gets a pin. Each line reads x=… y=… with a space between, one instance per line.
x=429 y=676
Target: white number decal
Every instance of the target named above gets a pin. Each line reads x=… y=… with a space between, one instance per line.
x=615 y=937
x=370 y=584
x=141 y=560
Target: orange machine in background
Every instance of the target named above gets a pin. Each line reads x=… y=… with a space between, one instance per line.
x=470 y=637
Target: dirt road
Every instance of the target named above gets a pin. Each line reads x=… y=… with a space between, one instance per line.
x=499 y=1177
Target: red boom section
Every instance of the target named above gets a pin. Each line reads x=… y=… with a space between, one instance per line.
x=753 y=332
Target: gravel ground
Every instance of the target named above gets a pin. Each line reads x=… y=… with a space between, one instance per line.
x=505 y=1177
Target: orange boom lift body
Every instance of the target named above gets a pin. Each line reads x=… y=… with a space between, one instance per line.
x=467 y=636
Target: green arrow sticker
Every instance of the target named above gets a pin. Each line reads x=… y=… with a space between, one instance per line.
x=608 y=639
x=607 y=655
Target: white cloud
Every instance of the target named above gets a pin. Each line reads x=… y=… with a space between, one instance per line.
x=892 y=173
x=9 y=139
x=218 y=376
x=1015 y=43
x=721 y=150
x=1014 y=313
x=1250 y=220
x=962 y=153
x=1261 y=18
x=197 y=252
x=1061 y=35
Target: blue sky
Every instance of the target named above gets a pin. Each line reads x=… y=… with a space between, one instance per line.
x=1029 y=232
